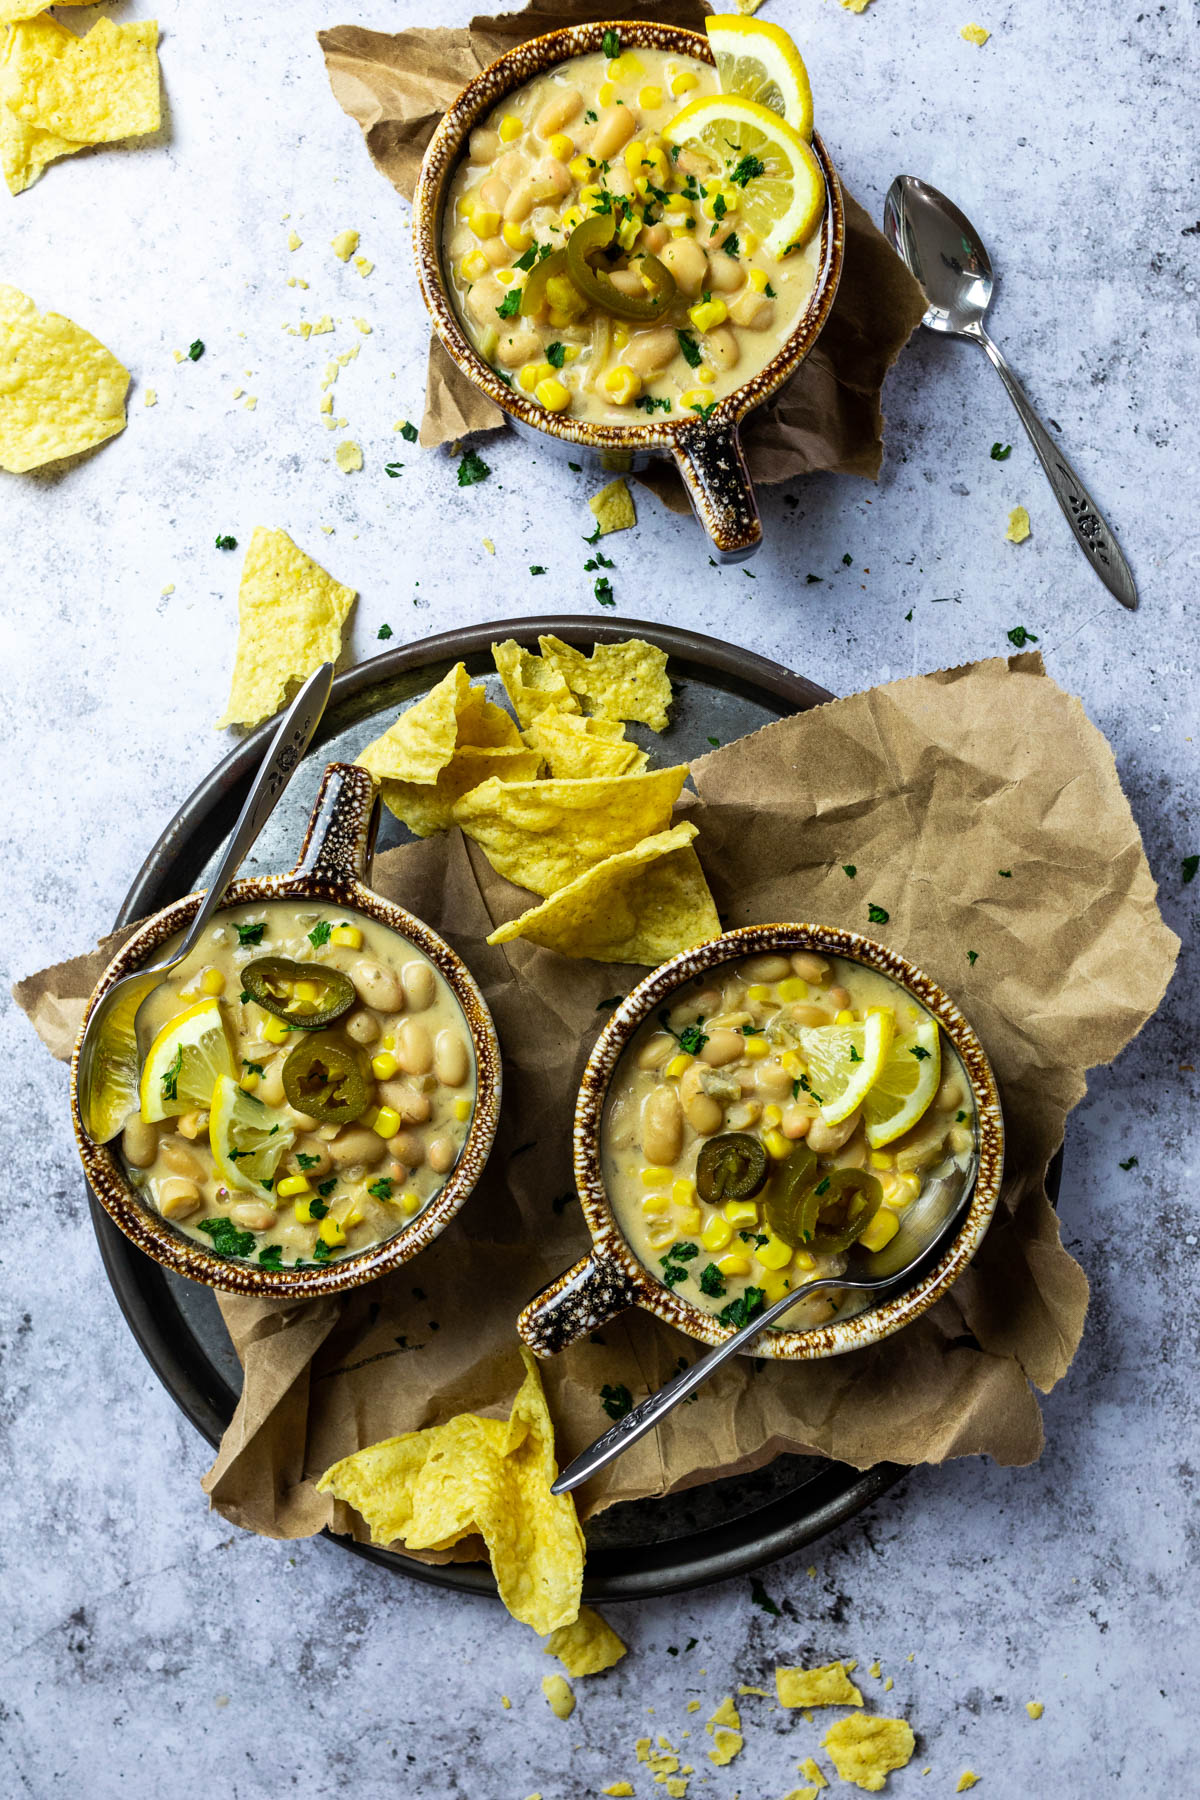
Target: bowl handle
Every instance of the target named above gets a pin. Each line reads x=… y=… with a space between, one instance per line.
x=593 y=1291
x=340 y=839
x=709 y=457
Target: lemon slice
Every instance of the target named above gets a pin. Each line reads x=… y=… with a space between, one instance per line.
x=186 y=1058
x=782 y=187
x=249 y=1139
x=906 y=1085
x=844 y=1061
x=760 y=62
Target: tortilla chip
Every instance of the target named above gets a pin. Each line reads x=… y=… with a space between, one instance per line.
x=641 y=906
x=12 y=10
x=426 y=809
x=828 y=1685
x=61 y=391
x=486 y=726
x=25 y=150
x=544 y=834
x=290 y=618
x=578 y=749
x=532 y=683
x=613 y=508
x=586 y=1647
x=423 y=739
x=88 y=90
x=558 y=1694
x=865 y=1750
x=617 y=681
x=378 y=1483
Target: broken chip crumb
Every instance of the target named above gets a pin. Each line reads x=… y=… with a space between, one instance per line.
x=361 y=325
x=676 y=1785
x=250 y=402
x=726 y=1745
x=642 y=1749
x=812 y=1571
x=875 y=1670
x=1018 y=525
x=966 y=1780
x=855 y=6
x=237 y=393
x=829 y=1685
x=295 y=241
x=170 y=589
x=587 y=1646
x=975 y=34
x=364 y=265
x=812 y=1771
x=760 y=1692
x=618 y=1790
x=344 y=245
x=726 y=1714
x=151 y=397
x=558 y=1695
x=748 y=6
x=1034 y=1708
x=865 y=1749
x=349 y=457
x=888 y=1685
x=613 y=507
x=489 y=546
x=506 y=1703
x=693 y=1706
x=63 y=392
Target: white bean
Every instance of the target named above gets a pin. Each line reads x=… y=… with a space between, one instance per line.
x=662 y=1127
x=139 y=1143
x=180 y=1160
x=442 y=1152
x=355 y=1145
x=412 y=1106
x=563 y=106
x=825 y=1138
x=687 y=263
x=655 y=1052
x=451 y=1063
x=414 y=1048
x=361 y=1027
x=723 y=1047
x=752 y=310
x=614 y=130
x=177 y=1197
x=809 y=967
x=377 y=986
x=419 y=985
x=252 y=1215
x=649 y=351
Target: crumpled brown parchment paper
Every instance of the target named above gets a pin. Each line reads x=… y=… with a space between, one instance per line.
x=929 y=787
x=397 y=85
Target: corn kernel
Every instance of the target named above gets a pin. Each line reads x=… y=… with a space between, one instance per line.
x=879 y=1159
x=656 y=1206
x=622 y=384
x=607 y=93
x=706 y=374
x=760 y=284
x=717 y=1233
x=410 y=1203
x=248 y=1082
x=683 y=83
x=275 y=1031
x=510 y=128
x=552 y=395
x=740 y=1213
x=660 y=1233
x=189 y=994
x=474 y=266
x=805 y=1261
x=573 y=216
x=734 y=1264
x=529 y=376
x=706 y=315
x=506 y=277
x=774 y=1254
x=560 y=320
x=387 y=1122
x=650 y=99
x=348 y=936
x=581 y=167
x=589 y=194
x=635 y=155
x=627 y=235
x=845 y=1017
x=695 y=397
x=212 y=983
x=880 y=1231
x=462 y=1110
x=793 y=989
x=660 y=167
x=684 y=230
x=564 y=296
x=620 y=337
x=678 y=1064
x=911 y=1184
x=758 y=992
x=466 y=205
x=291 y=1186
x=389 y=1042
x=688 y=1218
x=777 y=1145
x=570 y=353
x=303 y=1211
x=679 y=203
x=653 y=1178
x=683 y=1192
x=384 y=1066
x=791 y=1062
x=560 y=147
x=330 y=1232
x=749 y=242
x=484 y=223
x=775 y=1283
x=772 y=1115
x=308 y=992
x=757 y=1047
x=353 y=1216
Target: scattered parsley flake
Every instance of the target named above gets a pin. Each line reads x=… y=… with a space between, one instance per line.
x=392 y=469
x=1131 y=1162
x=704 y=409
x=908 y=616
x=747 y=1306
x=385 y=631
x=306 y=1161
x=850 y=869
x=382 y=1189
x=577 y=468
x=226 y=543
x=813 y=580
x=917 y=1051
x=1020 y=637
x=731 y=247
x=471 y=469
x=610 y=44
x=536 y=569
x=271 y=1257
x=746 y=170
x=877 y=914
x=972 y=957
x=848 y=560
x=712 y=1282
x=603 y=591
x=760 y=1597
x=170 y=1076
x=408 y=432
x=510 y=306
x=1001 y=452
x=556 y=355
x=318 y=937
x=689 y=349
x=715 y=742
x=227 y=1240
x=616 y=1401
x=195 y=351
x=854 y=1056
x=1188 y=866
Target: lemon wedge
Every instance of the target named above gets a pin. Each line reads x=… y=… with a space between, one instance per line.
x=906 y=1085
x=845 y=1061
x=782 y=187
x=249 y=1139
x=185 y=1060
x=760 y=62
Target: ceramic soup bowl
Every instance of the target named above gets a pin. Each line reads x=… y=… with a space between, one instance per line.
x=707 y=452
x=332 y=869
x=611 y=1278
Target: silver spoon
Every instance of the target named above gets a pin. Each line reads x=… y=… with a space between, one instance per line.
x=944 y=251
x=112 y=1028
x=942 y=1206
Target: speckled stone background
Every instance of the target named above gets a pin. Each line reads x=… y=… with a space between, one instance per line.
x=148 y=1648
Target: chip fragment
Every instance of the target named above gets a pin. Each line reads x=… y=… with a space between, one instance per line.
x=613 y=508
x=865 y=1749
x=575 y=748
x=587 y=1646
x=61 y=391
x=93 y=89
x=617 y=681
x=975 y=34
x=533 y=684
x=544 y=834
x=558 y=1695
x=290 y=617
x=828 y=1685
x=726 y=1745
x=641 y=906
x=1018 y=525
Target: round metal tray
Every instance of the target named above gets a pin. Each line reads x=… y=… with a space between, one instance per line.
x=647 y=1547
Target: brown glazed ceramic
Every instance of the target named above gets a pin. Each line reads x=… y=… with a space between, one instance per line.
x=707 y=452
x=334 y=862
x=611 y=1278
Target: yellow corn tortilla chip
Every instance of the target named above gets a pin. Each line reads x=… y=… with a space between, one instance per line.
x=532 y=683
x=290 y=618
x=613 y=508
x=486 y=726
x=432 y=1488
x=559 y=1696
x=543 y=834
x=424 y=738
x=61 y=391
x=578 y=749
x=25 y=150
x=827 y=1686
x=865 y=1750
x=12 y=10
x=638 y=907
x=617 y=681
x=426 y=809
x=89 y=90
x=587 y=1646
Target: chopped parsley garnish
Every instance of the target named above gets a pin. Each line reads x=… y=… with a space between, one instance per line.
x=850 y=869
x=689 y=349
x=712 y=1282
x=252 y=1068
x=510 y=306
x=769 y=291
x=599 y=561
x=392 y=469
x=382 y=1189
x=747 y=1306
x=854 y=1056
x=610 y=43
x=326 y=1187
x=305 y=1160
x=752 y=1030
x=271 y=1257
x=575 y=468
x=919 y=1053
x=536 y=569
x=878 y=915
x=596 y=535
x=317 y=1209
x=1001 y=452
x=718 y=211
x=251 y=934
x=691 y=1039
x=589 y=117
x=715 y=742
x=616 y=1401
x=813 y=580
x=848 y=560
x=322 y=1251
x=704 y=409
x=908 y=616
x=746 y=170
x=1131 y=1162
x=959 y=1118
x=731 y=247
x=245 y=997
x=649 y=403
x=226 y=543
x=385 y=631
x=527 y=261
x=318 y=937
x=1007 y=873
x=972 y=957
x=672 y=1272
x=195 y=351
x=471 y=469
x=760 y=1597
x=1020 y=637
x=603 y=591
x=822 y=1187
x=170 y=1076
x=408 y=432
x=227 y=1240
x=556 y=355
x=1188 y=866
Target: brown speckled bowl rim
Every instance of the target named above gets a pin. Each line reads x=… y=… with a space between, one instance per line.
x=510 y=71
x=169 y=1247
x=659 y=987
